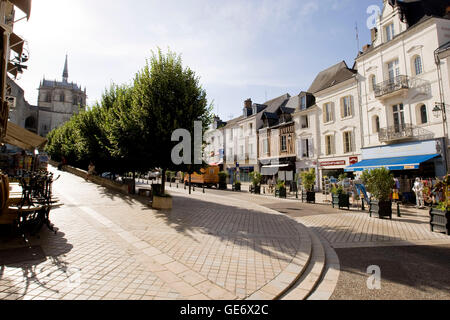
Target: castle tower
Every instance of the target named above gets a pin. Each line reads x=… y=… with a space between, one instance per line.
x=58 y=101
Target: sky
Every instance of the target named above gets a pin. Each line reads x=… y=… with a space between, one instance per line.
x=258 y=49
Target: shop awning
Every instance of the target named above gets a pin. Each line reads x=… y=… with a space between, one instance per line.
x=399 y=163
x=22 y=138
x=16 y=43
x=24 y=5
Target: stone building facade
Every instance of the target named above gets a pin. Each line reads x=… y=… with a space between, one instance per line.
x=58 y=101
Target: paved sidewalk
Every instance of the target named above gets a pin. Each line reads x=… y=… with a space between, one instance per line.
x=110 y=246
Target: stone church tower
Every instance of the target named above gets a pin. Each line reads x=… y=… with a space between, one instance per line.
x=58 y=101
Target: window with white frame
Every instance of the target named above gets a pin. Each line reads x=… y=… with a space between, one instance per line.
x=393 y=70
x=265 y=146
x=373 y=82
x=251 y=150
x=348 y=142
x=347 y=107
x=283 y=143
x=304 y=122
x=306 y=148
x=390 y=32
x=329 y=145
x=303 y=103
x=418 y=65
x=327 y=113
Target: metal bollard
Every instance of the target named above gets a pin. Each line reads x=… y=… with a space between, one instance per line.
x=362 y=205
x=398 y=210
x=193 y=187
x=177 y=185
x=203 y=188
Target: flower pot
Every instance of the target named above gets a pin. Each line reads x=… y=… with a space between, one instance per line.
x=255 y=189
x=222 y=186
x=162 y=203
x=309 y=196
x=440 y=220
x=341 y=201
x=281 y=193
x=237 y=187
x=380 y=209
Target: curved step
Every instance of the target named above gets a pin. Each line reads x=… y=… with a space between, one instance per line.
x=312 y=275
x=330 y=276
x=290 y=275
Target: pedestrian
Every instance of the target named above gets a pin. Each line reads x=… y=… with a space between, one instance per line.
x=418 y=190
x=91 y=170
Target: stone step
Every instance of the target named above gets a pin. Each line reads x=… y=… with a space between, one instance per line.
x=310 y=278
x=330 y=276
x=290 y=275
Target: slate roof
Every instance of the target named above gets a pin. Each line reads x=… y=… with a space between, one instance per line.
x=413 y=11
x=60 y=84
x=329 y=77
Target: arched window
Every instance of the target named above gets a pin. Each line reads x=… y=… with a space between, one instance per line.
x=30 y=124
x=423 y=114
x=418 y=65
x=62 y=97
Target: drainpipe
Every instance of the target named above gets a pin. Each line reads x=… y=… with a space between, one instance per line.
x=444 y=116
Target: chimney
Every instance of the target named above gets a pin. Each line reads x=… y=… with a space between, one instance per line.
x=373 y=34
x=248 y=104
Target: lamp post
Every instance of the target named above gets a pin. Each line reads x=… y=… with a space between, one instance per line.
x=440 y=109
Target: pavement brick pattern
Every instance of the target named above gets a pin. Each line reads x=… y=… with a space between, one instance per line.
x=114 y=247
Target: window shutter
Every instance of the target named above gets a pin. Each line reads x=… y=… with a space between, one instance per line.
x=342 y=108
x=352 y=106
x=311 y=147
x=300 y=149
x=324 y=113
x=333 y=144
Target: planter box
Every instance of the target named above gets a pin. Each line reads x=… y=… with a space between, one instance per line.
x=223 y=186
x=380 y=209
x=280 y=193
x=255 y=190
x=162 y=203
x=341 y=201
x=236 y=187
x=440 y=221
x=309 y=197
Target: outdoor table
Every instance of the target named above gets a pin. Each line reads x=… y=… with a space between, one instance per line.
x=15 y=193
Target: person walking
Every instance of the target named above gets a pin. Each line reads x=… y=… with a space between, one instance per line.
x=418 y=190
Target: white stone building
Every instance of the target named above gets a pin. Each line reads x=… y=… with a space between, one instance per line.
x=400 y=88
x=58 y=101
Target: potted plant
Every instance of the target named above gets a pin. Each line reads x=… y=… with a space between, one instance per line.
x=308 y=183
x=439 y=215
x=237 y=186
x=280 y=190
x=379 y=183
x=223 y=180
x=256 y=178
x=340 y=198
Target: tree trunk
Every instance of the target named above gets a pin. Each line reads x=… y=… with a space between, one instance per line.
x=189 y=183
x=134 y=183
x=163 y=182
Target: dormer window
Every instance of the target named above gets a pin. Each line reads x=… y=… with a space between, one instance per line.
x=390 y=32
x=303 y=103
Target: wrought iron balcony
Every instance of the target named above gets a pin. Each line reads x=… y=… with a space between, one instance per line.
x=403 y=132
x=391 y=86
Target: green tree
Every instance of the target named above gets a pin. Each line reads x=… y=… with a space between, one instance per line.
x=169 y=97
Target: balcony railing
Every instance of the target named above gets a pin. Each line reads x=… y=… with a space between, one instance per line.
x=403 y=132
x=391 y=86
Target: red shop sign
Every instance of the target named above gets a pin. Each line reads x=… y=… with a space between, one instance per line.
x=333 y=163
x=353 y=160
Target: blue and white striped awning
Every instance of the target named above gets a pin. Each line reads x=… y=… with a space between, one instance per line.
x=399 y=163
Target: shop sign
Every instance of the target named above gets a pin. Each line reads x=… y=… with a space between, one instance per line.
x=333 y=163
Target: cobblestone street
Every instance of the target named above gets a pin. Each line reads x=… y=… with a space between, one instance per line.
x=217 y=245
